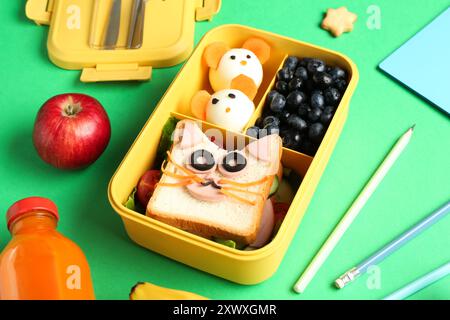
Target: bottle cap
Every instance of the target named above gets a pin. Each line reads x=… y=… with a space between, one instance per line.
x=26 y=205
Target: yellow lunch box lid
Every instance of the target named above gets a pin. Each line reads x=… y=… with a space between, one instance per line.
x=168 y=36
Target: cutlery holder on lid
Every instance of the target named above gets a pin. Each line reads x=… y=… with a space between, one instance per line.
x=118 y=40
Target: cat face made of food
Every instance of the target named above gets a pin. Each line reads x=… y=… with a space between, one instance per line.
x=211 y=173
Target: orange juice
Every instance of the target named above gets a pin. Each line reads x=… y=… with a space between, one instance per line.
x=39 y=262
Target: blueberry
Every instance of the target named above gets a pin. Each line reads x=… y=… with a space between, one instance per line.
x=327 y=115
x=278 y=102
x=301 y=73
x=317 y=101
x=295 y=84
x=284 y=116
x=303 y=110
x=329 y=109
x=271 y=120
x=314 y=114
x=284 y=126
x=313 y=148
x=316 y=131
x=310 y=86
x=281 y=86
x=284 y=130
x=304 y=62
x=322 y=79
x=253 y=132
x=341 y=85
x=259 y=122
x=337 y=73
x=271 y=94
x=297 y=137
x=288 y=140
x=317 y=92
x=326 y=118
x=291 y=139
x=285 y=74
x=315 y=65
x=332 y=96
x=295 y=98
x=307 y=147
x=291 y=62
x=268 y=130
x=297 y=123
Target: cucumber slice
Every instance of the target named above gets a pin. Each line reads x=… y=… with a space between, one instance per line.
x=274 y=187
x=228 y=243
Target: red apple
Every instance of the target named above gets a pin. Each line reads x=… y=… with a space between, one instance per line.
x=71 y=131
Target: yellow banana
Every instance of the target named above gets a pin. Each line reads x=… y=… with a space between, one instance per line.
x=148 y=291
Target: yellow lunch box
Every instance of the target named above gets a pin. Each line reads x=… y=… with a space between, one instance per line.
x=245 y=267
x=78 y=28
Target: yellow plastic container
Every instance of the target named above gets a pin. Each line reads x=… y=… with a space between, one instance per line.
x=168 y=35
x=245 y=267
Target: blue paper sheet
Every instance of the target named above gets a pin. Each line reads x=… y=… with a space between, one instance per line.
x=423 y=62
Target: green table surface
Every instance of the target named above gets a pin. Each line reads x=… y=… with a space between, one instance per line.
x=381 y=110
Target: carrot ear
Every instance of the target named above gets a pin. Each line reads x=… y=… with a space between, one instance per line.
x=213 y=53
x=245 y=85
x=259 y=47
x=198 y=104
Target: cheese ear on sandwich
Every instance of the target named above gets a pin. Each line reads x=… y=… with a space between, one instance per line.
x=212 y=192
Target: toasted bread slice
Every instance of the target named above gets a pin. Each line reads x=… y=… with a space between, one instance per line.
x=225 y=216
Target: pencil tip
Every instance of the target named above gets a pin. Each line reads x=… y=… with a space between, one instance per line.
x=413 y=126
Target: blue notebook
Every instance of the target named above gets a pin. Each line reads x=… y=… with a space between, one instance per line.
x=423 y=62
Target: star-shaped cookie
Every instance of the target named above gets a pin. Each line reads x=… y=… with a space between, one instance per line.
x=338 y=21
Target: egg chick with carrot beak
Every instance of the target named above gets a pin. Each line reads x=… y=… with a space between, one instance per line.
x=238 y=66
x=229 y=108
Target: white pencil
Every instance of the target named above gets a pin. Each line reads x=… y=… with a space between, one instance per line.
x=352 y=212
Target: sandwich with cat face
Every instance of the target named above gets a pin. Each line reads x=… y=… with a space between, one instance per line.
x=214 y=192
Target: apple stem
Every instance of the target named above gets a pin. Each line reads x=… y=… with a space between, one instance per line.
x=72 y=108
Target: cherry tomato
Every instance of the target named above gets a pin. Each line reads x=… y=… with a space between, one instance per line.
x=280 y=209
x=147 y=185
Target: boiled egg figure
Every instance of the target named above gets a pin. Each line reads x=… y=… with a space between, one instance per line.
x=234 y=63
x=229 y=108
x=239 y=64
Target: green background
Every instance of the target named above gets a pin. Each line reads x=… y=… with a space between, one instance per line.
x=381 y=110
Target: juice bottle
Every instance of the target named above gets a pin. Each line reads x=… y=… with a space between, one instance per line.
x=39 y=262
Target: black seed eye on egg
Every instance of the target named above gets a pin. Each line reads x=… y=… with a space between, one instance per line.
x=233 y=57
x=249 y=56
x=215 y=100
x=231 y=95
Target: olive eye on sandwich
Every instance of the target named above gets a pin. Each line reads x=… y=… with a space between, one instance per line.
x=233 y=162
x=202 y=160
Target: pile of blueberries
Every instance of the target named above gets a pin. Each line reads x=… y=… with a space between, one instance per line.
x=302 y=104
